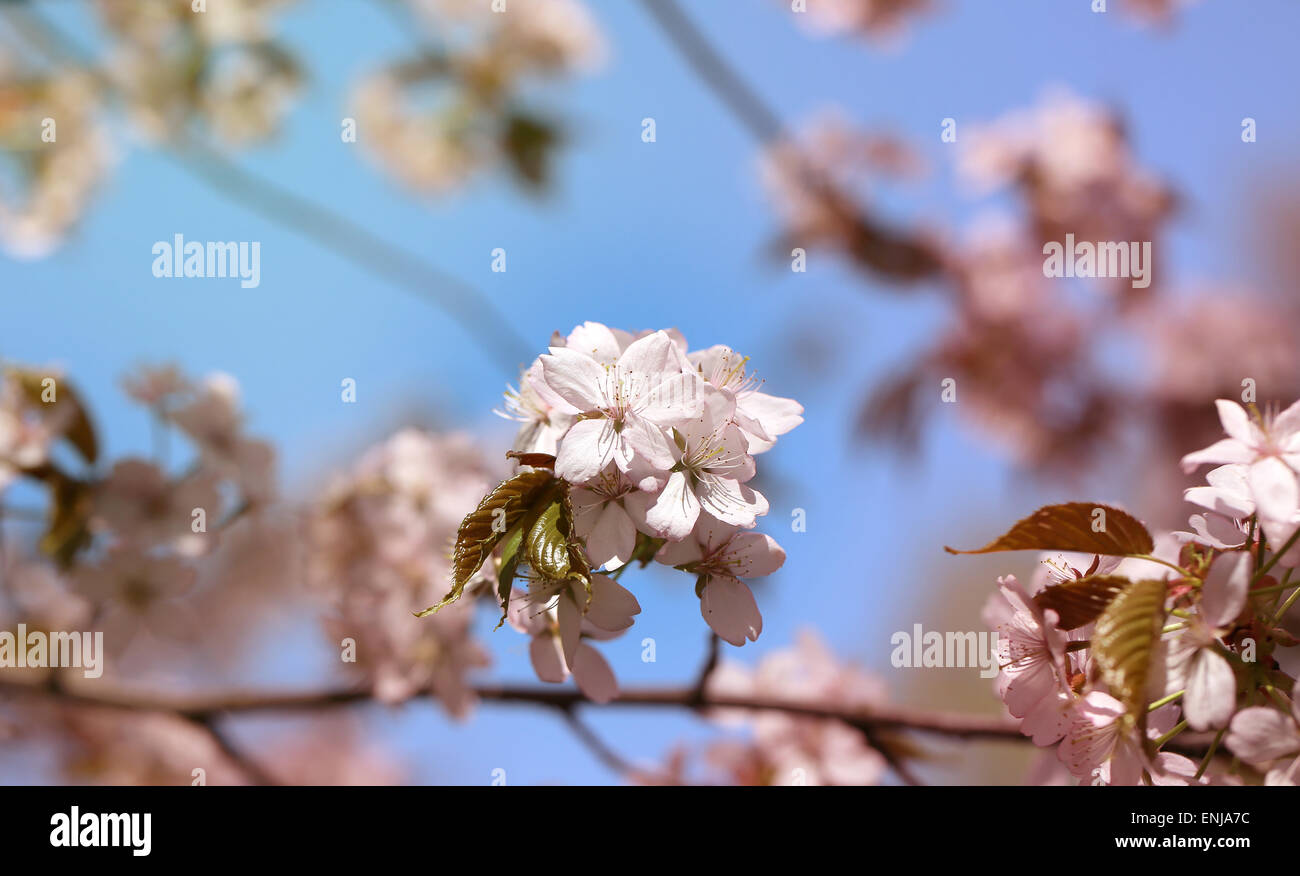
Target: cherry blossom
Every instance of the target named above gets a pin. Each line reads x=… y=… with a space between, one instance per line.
x=624 y=408
x=720 y=556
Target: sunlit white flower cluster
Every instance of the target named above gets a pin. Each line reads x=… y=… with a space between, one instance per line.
x=658 y=444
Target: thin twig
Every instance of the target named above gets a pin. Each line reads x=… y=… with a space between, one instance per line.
x=240 y=758
x=596 y=745
x=710 y=663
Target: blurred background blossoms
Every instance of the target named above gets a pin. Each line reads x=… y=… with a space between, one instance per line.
x=645 y=165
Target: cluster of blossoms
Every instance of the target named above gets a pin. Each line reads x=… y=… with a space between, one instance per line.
x=41 y=202
x=217 y=70
x=174 y=63
x=1111 y=656
x=436 y=120
x=654 y=447
x=1025 y=350
x=884 y=20
x=122 y=545
x=378 y=543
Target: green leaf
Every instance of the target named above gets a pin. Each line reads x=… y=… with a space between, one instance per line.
x=1126 y=636
x=1073 y=527
x=529 y=144
x=509 y=566
x=486 y=526
x=1081 y=601
x=548 y=543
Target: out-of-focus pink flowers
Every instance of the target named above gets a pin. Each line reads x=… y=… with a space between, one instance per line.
x=879 y=20
x=480 y=61
x=792 y=749
x=379 y=540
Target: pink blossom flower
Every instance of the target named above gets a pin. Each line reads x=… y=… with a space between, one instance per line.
x=710 y=465
x=1271 y=451
x=1102 y=747
x=1032 y=653
x=720 y=556
x=140 y=506
x=761 y=417
x=558 y=648
x=624 y=407
x=213 y=420
x=544 y=415
x=607 y=513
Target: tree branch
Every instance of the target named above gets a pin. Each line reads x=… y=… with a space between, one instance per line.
x=204 y=708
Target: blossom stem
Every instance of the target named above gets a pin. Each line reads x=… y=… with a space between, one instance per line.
x=1178 y=728
x=1152 y=559
x=1277 y=554
x=1282 y=610
x=1209 y=755
x=1164 y=701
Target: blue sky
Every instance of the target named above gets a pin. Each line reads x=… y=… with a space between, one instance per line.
x=644 y=235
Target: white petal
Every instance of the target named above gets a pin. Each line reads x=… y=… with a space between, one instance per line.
x=675 y=511
x=576 y=378
x=586 y=449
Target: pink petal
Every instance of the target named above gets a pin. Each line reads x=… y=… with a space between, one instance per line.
x=679 y=553
x=755 y=555
x=613 y=538
x=1224 y=594
x=1228 y=450
x=728 y=607
x=612 y=606
x=1211 y=691
x=548 y=661
x=1236 y=422
x=593 y=675
x=1260 y=734
x=653 y=356
x=777 y=415
x=570 y=623
x=1273 y=484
